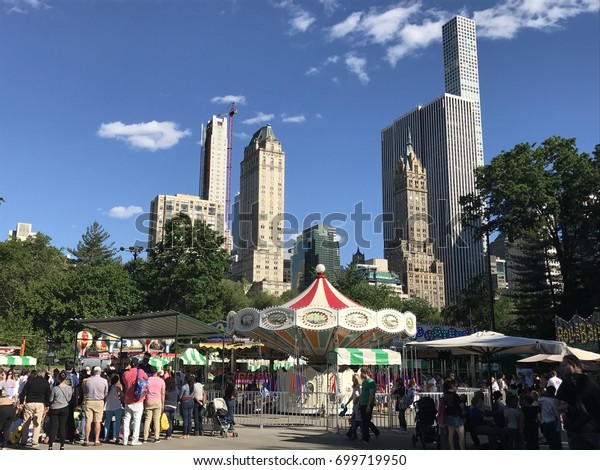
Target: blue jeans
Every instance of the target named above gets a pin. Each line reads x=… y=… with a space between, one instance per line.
x=516 y=439
x=552 y=435
x=108 y=421
x=187 y=412
x=171 y=416
x=230 y=411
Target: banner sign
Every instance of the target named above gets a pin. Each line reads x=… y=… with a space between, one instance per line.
x=431 y=332
x=583 y=333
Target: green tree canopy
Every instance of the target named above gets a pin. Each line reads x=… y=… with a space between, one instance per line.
x=93 y=248
x=550 y=195
x=185 y=270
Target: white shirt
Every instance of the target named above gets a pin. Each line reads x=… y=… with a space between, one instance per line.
x=199 y=391
x=555 y=382
x=495 y=387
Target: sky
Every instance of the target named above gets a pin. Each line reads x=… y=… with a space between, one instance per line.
x=101 y=102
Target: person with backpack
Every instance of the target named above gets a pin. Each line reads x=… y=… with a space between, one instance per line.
x=133 y=381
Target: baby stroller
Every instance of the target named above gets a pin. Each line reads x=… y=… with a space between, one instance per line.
x=426 y=428
x=216 y=412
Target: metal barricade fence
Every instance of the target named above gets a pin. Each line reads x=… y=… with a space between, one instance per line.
x=318 y=409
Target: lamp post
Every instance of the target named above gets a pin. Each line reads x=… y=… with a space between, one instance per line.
x=490 y=282
x=134 y=250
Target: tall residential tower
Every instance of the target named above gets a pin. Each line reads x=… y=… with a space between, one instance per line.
x=261 y=202
x=445 y=135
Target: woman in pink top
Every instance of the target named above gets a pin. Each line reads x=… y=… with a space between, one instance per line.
x=154 y=405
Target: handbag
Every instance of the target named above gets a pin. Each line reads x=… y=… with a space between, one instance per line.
x=164 y=422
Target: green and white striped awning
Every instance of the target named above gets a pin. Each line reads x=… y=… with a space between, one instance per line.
x=191 y=357
x=159 y=362
x=364 y=357
x=17 y=361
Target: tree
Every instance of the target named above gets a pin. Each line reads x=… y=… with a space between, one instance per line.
x=93 y=249
x=185 y=270
x=25 y=266
x=550 y=195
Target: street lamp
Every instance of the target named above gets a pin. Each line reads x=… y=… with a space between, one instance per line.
x=134 y=250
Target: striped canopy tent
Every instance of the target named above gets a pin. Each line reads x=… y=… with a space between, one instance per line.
x=17 y=361
x=191 y=357
x=364 y=357
x=159 y=362
x=320 y=319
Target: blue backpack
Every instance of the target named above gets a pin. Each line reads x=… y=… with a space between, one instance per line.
x=141 y=387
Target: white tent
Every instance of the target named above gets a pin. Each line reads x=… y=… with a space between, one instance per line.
x=581 y=354
x=489 y=343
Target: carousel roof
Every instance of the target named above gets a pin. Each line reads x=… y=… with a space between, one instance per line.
x=320 y=319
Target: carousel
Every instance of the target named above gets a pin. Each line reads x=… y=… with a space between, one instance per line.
x=319 y=320
x=312 y=325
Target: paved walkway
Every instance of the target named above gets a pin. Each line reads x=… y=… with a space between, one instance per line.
x=274 y=438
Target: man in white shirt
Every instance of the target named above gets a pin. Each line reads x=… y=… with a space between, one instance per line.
x=554 y=381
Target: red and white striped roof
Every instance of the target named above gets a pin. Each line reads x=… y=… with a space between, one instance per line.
x=321 y=294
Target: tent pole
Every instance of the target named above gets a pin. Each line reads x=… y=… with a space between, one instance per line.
x=175 y=361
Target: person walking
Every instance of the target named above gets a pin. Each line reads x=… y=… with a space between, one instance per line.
x=454 y=415
x=34 y=400
x=60 y=396
x=550 y=418
x=134 y=407
x=154 y=405
x=400 y=394
x=355 y=399
x=367 y=400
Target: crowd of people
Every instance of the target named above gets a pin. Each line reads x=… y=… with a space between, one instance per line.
x=521 y=415
x=122 y=404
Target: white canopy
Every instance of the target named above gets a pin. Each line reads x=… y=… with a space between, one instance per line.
x=364 y=357
x=491 y=342
x=582 y=354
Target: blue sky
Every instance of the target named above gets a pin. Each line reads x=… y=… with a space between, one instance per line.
x=101 y=102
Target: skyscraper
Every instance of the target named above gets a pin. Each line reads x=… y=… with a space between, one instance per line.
x=411 y=254
x=445 y=136
x=461 y=71
x=315 y=245
x=213 y=161
x=261 y=202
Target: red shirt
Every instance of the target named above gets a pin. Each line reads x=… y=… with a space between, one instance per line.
x=129 y=379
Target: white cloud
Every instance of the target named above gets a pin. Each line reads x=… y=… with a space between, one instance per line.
x=334 y=59
x=25 y=6
x=336 y=81
x=319 y=116
x=408 y=27
x=312 y=71
x=301 y=22
x=357 y=66
x=151 y=135
x=228 y=99
x=241 y=135
x=329 y=5
x=349 y=25
x=122 y=212
x=260 y=118
x=295 y=119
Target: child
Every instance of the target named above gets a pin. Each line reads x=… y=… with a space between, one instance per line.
x=514 y=419
x=531 y=412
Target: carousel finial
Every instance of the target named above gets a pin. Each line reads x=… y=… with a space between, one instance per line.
x=320 y=269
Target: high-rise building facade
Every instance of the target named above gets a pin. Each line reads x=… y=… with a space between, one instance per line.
x=213 y=161
x=164 y=207
x=315 y=245
x=411 y=254
x=445 y=135
x=461 y=70
x=261 y=212
x=22 y=232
